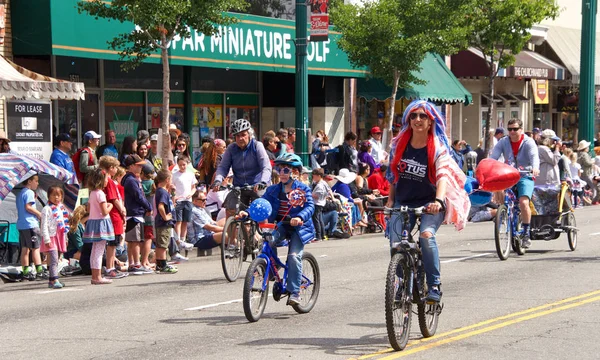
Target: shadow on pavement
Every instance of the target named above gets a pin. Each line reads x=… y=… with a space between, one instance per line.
x=212 y=321
x=180 y=282
x=570 y=259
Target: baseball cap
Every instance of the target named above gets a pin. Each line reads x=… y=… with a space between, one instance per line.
x=143 y=135
x=148 y=168
x=154 y=137
x=500 y=130
x=375 y=130
x=62 y=137
x=134 y=159
x=549 y=133
x=536 y=131
x=91 y=135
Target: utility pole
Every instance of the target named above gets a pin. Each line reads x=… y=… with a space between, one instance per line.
x=587 y=101
x=301 y=145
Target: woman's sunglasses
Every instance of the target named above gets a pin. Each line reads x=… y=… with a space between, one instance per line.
x=181 y=145
x=415 y=115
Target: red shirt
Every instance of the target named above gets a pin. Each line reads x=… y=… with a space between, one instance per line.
x=112 y=193
x=378 y=181
x=515 y=145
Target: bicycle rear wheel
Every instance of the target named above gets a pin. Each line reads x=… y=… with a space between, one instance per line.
x=398 y=305
x=428 y=313
x=502 y=233
x=255 y=298
x=310 y=285
x=231 y=250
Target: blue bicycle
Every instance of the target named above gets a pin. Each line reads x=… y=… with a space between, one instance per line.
x=507 y=229
x=266 y=268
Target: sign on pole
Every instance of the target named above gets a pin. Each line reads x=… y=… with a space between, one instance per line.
x=319 y=20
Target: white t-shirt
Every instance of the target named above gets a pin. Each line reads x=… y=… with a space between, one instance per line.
x=183 y=185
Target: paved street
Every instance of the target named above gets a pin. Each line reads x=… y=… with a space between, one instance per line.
x=544 y=305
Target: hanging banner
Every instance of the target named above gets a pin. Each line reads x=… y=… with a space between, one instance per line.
x=319 y=20
x=540 y=91
x=29 y=128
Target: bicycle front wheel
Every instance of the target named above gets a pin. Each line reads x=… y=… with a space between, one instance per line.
x=502 y=233
x=231 y=249
x=255 y=298
x=428 y=314
x=309 y=287
x=398 y=305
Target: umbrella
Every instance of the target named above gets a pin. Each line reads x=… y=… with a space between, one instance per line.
x=14 y=169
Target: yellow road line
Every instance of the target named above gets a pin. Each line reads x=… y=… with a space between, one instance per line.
x=490 y=328
x=485 y=322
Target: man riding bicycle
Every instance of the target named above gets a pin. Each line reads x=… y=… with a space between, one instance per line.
x=520 y=151
x=249 y=162
x=291 y=199
x=422 y=173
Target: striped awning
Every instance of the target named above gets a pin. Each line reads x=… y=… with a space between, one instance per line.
x=16 y=82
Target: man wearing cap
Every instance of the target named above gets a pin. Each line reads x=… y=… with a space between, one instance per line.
x=109 y=147
x=377 y=151
x=87 y=159
x=153 y=154
x=537 y=135
x=549 y=152
x=60 y=156
x=137 y=207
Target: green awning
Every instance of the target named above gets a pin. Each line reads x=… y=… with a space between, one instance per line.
x=441 y=86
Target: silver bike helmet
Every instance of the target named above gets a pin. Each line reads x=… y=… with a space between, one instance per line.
x=240 y=125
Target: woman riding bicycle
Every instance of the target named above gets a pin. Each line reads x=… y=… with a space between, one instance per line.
x=422 y=173
x=291 y=199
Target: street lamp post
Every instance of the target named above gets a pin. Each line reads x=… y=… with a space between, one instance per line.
x=301 y=146
x=587 y=102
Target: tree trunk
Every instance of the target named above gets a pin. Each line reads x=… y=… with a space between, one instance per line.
x=166 y=143
x=387 y=126
x=492 y=109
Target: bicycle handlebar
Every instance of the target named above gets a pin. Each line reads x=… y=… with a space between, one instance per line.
x=237 y=188
x=402 y=209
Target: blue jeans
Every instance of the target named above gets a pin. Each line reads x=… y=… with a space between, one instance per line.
x=330 y=220
x=294 y=258
x=431 y=257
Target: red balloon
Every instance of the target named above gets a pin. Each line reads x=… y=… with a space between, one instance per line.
x=494 y=175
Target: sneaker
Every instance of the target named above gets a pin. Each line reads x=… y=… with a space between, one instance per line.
x=146 y=270
x=56 y=285
x=434 y=294
x=114 y=274
x=185 y=245
x=102 y=281
x=340 y=235
x=232 y=252
x=525 y=242
x=178 y=258
x=167 y=270
x=45 y=275
x=294 y=299
x=30 y=276
x=135 y=270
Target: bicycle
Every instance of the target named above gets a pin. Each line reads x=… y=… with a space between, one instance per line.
x=405 y=282
x=266 y=267
x=507 y=224
x=238 y=238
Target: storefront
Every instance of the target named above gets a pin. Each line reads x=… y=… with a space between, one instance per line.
x=513 y=91
x=214 y=79
x=440 y=87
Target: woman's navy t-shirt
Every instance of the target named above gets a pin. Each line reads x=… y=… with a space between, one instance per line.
x=413 y=187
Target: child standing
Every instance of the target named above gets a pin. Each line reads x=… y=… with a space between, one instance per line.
x=185 y=186
x=147 y=176
x=320 y=191
x=163 y=221
x=578 y=184
x=55 y=224
x=117 y=215
x=99 y=228
x=29 y=229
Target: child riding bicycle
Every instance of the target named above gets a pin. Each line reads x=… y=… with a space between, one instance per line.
x=291 y=199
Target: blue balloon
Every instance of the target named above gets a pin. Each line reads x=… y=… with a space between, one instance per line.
x=480 y=198
x=260 y=210
x=471 y=184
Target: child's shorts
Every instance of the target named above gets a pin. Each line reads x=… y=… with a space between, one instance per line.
x=148 y=232
x=163 y=236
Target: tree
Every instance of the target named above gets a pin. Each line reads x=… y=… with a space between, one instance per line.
x=500 y=31
x=392 y=37
x=157 y=23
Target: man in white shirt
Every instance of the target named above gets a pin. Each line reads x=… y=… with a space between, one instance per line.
x=377 y=151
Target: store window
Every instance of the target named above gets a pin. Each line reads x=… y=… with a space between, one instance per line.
x=240 y=106
x=124 y=112
x=155 y=103
x=78 y=70
x=212 y=79
x=67 y=120
x=207 y=120
x=145 y=76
